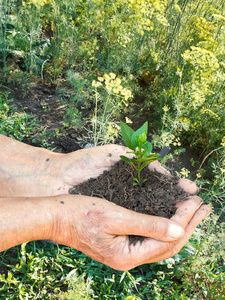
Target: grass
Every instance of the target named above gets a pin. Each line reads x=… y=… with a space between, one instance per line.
x=18 y=125
x=171 y=52
x=169 y=55
x=38 y=270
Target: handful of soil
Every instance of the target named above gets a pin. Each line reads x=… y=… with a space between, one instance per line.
x=157 y=196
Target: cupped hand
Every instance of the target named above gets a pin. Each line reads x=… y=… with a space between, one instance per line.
x=101 y=230
x=77 y=167
x=95 y=226
x=39 y=172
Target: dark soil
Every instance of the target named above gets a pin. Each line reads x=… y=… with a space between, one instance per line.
x=44 y=104
x=157 y=196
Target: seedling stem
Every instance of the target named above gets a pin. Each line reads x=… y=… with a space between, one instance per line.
x=141 y=148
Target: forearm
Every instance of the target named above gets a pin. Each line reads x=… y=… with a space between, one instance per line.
x=21 y=165
x=31 y=171
x=26 y=219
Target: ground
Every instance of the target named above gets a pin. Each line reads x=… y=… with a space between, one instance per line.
x=42 y=102
x=45 y=103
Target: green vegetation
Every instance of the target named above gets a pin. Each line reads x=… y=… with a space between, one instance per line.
x=169 y=53
x=14 y=124
x=161 y=59
x=38 y=270
x=141 y=149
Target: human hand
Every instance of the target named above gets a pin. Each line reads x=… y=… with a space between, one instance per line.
x=37 y=172
x=101 y=230
x=77 y=167
x=31 y=171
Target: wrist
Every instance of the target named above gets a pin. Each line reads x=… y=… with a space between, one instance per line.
x=25 y=219
x=63 y=228
x=24 y=169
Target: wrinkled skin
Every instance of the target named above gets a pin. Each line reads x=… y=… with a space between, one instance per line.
x=100 y=229
x=103 y=228
x=32 y=171
x=94 y=226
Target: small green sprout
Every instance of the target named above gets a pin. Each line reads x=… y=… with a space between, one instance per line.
x=141 y=148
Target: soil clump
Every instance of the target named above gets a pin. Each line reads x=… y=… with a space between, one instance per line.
x=157 y=196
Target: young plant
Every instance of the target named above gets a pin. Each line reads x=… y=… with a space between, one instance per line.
x=141 y=148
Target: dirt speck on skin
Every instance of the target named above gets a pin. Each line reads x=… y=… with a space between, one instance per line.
x=157 y=196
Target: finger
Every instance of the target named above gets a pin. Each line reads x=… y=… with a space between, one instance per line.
x=188 y=186
x=132 y=223
x=200 y=214
x=155 y=166
x=161 y=229
x=170 y=249
x=186 y=210
x=152 y=250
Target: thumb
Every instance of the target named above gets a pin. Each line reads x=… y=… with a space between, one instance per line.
x=158 y=228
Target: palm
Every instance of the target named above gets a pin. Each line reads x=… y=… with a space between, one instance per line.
x=100 y=229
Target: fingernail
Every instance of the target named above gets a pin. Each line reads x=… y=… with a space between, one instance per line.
x=175 y=231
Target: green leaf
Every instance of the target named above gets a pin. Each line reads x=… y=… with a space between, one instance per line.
x=142 y=132
x=149 y=159
x=148 y=149
x=126 y=159
x=127 y=133
x=135 y=181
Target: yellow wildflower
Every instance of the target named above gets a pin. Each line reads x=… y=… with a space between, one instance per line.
x=128 y=121
x=96 y=84
x=223 y=142
x=198 y=175
x=101 y=79
x=112 y=75
x=184 y=172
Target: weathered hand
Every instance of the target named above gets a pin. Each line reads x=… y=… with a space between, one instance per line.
x=76 y=167
x=31 y=171
x=100 y=229
x=95 y=226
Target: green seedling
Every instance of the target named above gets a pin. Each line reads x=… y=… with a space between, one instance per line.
x=141 y=148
